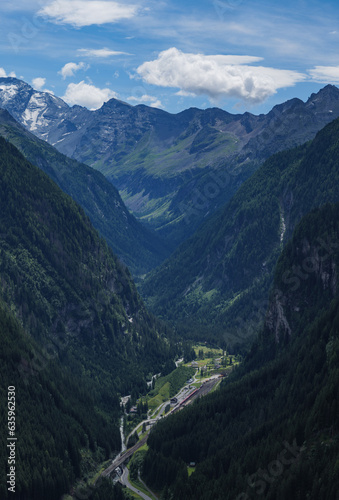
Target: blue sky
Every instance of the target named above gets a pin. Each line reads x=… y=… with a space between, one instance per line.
x=240 y=55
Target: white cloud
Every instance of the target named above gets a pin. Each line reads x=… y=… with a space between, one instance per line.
x=70 y=68
x=216 y=75
x=325 y=74
x=153 y=102
x=81 y=13
x=3 y=74
x=87 y=95
x=184 y=93
x=101 y=52
x=38 y=83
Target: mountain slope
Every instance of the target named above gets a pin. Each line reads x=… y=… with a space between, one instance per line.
x=74 y=332
x=64 y=283
x=171 y=170
x=56 y=415
x=217 y=282
x=273 y=428
x=139 y=248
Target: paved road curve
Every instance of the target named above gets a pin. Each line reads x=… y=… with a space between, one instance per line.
x=125 y=481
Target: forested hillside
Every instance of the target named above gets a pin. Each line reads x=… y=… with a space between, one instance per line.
x=138 y=247
x=56 y=415
x=273 y=427
x=216 y=284
x=172 y=170
x=75 y=334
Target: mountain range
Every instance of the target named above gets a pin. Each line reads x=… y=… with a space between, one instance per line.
x=216 y=283
x=254 y=229
x=137 y=247
x=171 y=170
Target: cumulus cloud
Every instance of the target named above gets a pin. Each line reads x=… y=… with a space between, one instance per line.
x=87 y=95
x=152 y=101
x=81 y=13
x=325 y=74
x=216 y=75
x=103 y=53
x=3 y=74
x=70 y=68
x=38 y=83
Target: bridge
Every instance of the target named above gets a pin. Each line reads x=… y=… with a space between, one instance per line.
x=127 y=454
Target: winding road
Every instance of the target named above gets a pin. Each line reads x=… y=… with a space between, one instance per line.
x=124 y=480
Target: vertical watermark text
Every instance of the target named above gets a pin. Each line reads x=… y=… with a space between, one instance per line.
x=11 y=439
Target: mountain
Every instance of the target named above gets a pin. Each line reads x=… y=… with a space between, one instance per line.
x=272 y=430
x=171 y=170
x=58 y=418
x=138 y=247
x=74 y=332
x=215 y=285
x=63 y=281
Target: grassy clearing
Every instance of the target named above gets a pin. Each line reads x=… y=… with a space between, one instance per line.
x=190 y=470
x=208 y=352
x=134 y=467
x=206 y=361
x=161 y=397
x=167 y=387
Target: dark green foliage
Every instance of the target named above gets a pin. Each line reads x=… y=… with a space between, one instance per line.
x=133 y=440
x=215 y=285
x=139 y=248
x=136 y=464
x=65 y=285
x=273 y=428
x=106 y=491
x=84 y=337
x=56 y=415
x=188 y=352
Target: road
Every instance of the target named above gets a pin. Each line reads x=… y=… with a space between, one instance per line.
x=124 y=480
x=120 y=460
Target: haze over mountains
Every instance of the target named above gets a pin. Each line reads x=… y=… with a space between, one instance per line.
x=171 y=170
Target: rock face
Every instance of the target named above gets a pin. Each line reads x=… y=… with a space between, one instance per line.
x=172 y=170
x=307 y=274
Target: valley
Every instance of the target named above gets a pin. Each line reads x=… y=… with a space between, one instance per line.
x=218 y=280
x=172 y=170
x=213 y=306
x=198 y=386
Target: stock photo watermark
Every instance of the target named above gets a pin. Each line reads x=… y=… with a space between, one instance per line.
x=293 y=278
x=198 y=204
x=29 y=29
x=11 y=439
x=223 y=8
x=263 y=478
x=58 y=341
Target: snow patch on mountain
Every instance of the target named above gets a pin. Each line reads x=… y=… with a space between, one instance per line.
x=8 y=92
x=33 y=115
